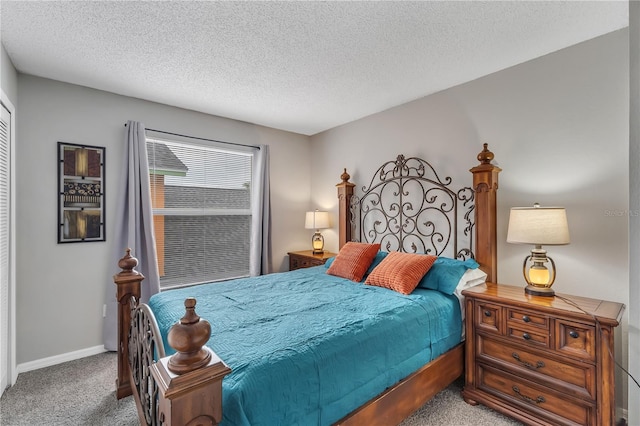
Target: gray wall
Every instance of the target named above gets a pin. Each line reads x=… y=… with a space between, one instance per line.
x=8 y=77
x=558 y=126
x=634 y=206
x=60 y=286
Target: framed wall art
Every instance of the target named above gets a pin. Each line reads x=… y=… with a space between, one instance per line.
x=81 y=202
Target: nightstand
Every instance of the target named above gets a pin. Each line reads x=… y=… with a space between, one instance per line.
x=305 y=259
x=540 y=360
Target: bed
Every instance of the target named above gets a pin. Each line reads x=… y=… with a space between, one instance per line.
x=312 y=346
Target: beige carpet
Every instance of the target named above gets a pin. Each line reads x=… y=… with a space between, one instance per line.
x=81 y=392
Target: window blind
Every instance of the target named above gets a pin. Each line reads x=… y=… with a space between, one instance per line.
x=202 y=211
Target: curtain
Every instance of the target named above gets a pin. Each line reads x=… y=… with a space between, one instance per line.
x=133 y=227
x=260 y=262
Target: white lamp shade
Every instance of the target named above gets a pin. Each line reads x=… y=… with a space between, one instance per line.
x=316 y=220
x=538 y=225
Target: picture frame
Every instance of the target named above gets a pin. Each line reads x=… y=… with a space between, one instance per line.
x=81 y=201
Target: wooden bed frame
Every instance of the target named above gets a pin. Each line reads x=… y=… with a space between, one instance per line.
x=187 y=387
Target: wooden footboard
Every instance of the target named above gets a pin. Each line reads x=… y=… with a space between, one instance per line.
x=139 y=343
x=127 y=294
x=145 y=347
x=187 y=387
x=183 y=389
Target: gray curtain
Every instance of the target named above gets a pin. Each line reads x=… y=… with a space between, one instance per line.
x=133 y=227
x=261 y=215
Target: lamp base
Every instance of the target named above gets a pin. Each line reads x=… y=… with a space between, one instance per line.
x=539 y=291
x=317 y=242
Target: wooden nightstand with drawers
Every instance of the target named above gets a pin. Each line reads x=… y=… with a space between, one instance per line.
x=541 y=360
x=306 y=259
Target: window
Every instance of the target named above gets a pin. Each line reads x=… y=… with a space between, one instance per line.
x=202 y=211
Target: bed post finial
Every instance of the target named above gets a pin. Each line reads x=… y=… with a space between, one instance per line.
x=128 y=288
x=187 y=337
x=190 y=381
x=485 y=184
x=485 y=156
x=128 y=262
x=345 y=192
x=345 y=176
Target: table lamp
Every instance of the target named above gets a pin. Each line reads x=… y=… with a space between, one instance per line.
x=317 y=220
x=538 y=226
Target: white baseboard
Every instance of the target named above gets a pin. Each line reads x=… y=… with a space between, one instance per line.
x=58 y=359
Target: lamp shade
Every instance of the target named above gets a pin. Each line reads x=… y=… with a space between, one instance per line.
x=538 y=225
x=316 y=220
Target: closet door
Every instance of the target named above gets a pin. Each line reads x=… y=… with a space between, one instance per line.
x=5 y=209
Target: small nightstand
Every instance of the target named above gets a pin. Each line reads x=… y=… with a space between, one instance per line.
x=305 y=259
x=539 y=359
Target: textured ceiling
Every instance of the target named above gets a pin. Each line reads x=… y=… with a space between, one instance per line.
x=298 y=66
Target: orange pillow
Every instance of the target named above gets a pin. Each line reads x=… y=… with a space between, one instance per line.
x=353 y=260
x=401 y=271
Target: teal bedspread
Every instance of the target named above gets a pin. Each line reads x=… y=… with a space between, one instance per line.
x=307 y=348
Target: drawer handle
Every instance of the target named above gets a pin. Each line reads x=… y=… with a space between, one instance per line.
x=526 y=336
x=530 y=366
x=526 y=318
x=539 y=400
x=574 y=334
x=487 y=313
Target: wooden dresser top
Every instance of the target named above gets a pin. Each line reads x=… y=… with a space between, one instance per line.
x=574 y=306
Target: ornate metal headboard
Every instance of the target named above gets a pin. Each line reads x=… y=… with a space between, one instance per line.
x=408 y=207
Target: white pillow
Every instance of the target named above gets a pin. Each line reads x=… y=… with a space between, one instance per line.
x=471 y=278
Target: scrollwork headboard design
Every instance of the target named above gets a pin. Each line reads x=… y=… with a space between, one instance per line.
x=408 y=207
